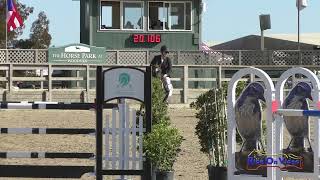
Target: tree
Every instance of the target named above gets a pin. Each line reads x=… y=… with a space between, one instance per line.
x=40 y=37
x=24 y=11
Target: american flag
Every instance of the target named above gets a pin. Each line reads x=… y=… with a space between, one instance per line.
x=205 y=48
x=14 y=19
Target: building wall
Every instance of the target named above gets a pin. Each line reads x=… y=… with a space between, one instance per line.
x=122 y=40
x=253 y=42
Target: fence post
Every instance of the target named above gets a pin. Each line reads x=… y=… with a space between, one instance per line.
x=87 y=82
x=185 y=84
x=147 y=57
x=49 y=98
x=78 y=75
x=36 y=55
x=7 y=56
x=41 y=82
x=219 y=76
x=7 y=82
x=240 y=56
x=269 y=57
x=117 y=57
x=10 y=77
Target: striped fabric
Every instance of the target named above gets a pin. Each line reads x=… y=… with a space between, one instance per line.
x=14 y=19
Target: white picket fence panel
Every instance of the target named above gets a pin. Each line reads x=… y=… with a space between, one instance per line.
x=123 y=139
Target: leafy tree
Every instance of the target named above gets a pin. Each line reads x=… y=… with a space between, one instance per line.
x=24 y=11
x=40 y=37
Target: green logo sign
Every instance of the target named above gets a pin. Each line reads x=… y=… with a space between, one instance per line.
x=124 y=79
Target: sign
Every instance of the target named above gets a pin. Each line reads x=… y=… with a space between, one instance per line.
x=77 y=54
x=146 y=38
x=123 y=83
x=257 y=160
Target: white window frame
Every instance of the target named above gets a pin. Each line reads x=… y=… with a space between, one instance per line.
x=121 y=16
x=169 y=20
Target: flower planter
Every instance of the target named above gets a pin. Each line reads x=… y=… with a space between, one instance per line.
x=166 y=175
x=217 y=173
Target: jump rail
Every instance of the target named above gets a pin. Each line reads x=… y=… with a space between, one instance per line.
x=298 y=112
x=69 y=131
x=53 y=105
x=38 y=171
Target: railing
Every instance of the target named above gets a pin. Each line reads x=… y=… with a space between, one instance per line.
x=78 y=82
x=194 y=72
x=217 y=57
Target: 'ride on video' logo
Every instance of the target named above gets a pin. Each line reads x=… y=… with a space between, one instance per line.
x=257 y=159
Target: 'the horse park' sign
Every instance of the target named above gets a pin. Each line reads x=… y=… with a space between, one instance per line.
x=77 y=54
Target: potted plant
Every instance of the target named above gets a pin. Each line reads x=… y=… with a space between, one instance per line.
x=162 y=146
x=211 y=131
x=211 y=128
x=159 y=109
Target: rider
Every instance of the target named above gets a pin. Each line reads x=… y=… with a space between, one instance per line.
x=162 y=66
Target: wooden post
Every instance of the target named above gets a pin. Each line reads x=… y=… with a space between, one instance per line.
x=147 y=58
x=41 y=75
x=117 y=57
x=240 y=55
x=36 y=56
x=10 y=77
x=88 y=82
x=219 y=77
x=185 y=84
x=49 y=82
x=78 y=75
x=7 y=82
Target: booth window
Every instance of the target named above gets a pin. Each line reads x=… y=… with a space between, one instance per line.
x=118 y=15
x=169 y=16
x=132 y=15
x=110 y=13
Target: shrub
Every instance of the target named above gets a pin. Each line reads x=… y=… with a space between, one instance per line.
x=159 y=108
x=162 y=145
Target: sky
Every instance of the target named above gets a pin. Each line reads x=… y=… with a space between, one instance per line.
x=223 y=20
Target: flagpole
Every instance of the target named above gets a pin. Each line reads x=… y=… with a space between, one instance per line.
x=299 y=4
x=6 y=24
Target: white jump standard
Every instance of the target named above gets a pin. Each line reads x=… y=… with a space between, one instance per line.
x=237 y=162
x=293 y=112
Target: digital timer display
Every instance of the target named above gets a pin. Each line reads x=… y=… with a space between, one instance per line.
x=147 y=38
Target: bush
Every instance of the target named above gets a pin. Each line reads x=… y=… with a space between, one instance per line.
x=159 y=108
x=162 y=145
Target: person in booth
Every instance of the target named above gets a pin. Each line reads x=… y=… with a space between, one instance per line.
x=162 y=66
